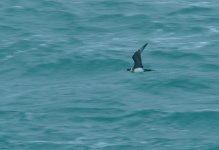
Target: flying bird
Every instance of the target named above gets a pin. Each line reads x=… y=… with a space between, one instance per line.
x=138 y=67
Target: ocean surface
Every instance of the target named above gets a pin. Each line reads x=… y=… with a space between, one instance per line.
x=64 y=84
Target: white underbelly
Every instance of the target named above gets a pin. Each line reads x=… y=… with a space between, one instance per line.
x=138 y=70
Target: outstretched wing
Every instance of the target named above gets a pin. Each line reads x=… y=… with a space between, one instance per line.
x=143 y=47
x=137 y=57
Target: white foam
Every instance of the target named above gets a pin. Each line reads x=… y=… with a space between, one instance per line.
x=7 y=57
x=43 y=44
x=213 y=29
x=18 y=7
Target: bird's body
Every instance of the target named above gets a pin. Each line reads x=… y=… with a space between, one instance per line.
x=138 y=67
x=138 y=70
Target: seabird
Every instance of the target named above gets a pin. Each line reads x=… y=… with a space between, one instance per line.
x=138 y=67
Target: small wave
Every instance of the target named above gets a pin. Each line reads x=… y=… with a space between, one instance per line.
x=213 y=29
x=7 y=57
x=83 y=110
x=14 y=115
x=196 y=119
x=8 y=29
x=191 y=10
x=205 y=117
x=48 y=142
x=209 y=67
x=145 y=113
x=76 y=65
x=186 y=84
x=115 y=4
x=18 y=7
x=176 y=55
x=61 y=15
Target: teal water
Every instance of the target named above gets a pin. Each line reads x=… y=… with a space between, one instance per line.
x=64 y=85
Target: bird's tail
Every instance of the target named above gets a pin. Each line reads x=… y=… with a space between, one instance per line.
x=148 y=70
x=143 y=47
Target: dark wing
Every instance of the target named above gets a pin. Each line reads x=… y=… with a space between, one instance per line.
x=137 y=60
x=137 y=57
x=143 y=47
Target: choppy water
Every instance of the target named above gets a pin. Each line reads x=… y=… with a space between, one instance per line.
x=64 y=85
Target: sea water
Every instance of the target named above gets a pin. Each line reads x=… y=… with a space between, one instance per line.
x=64 y=84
